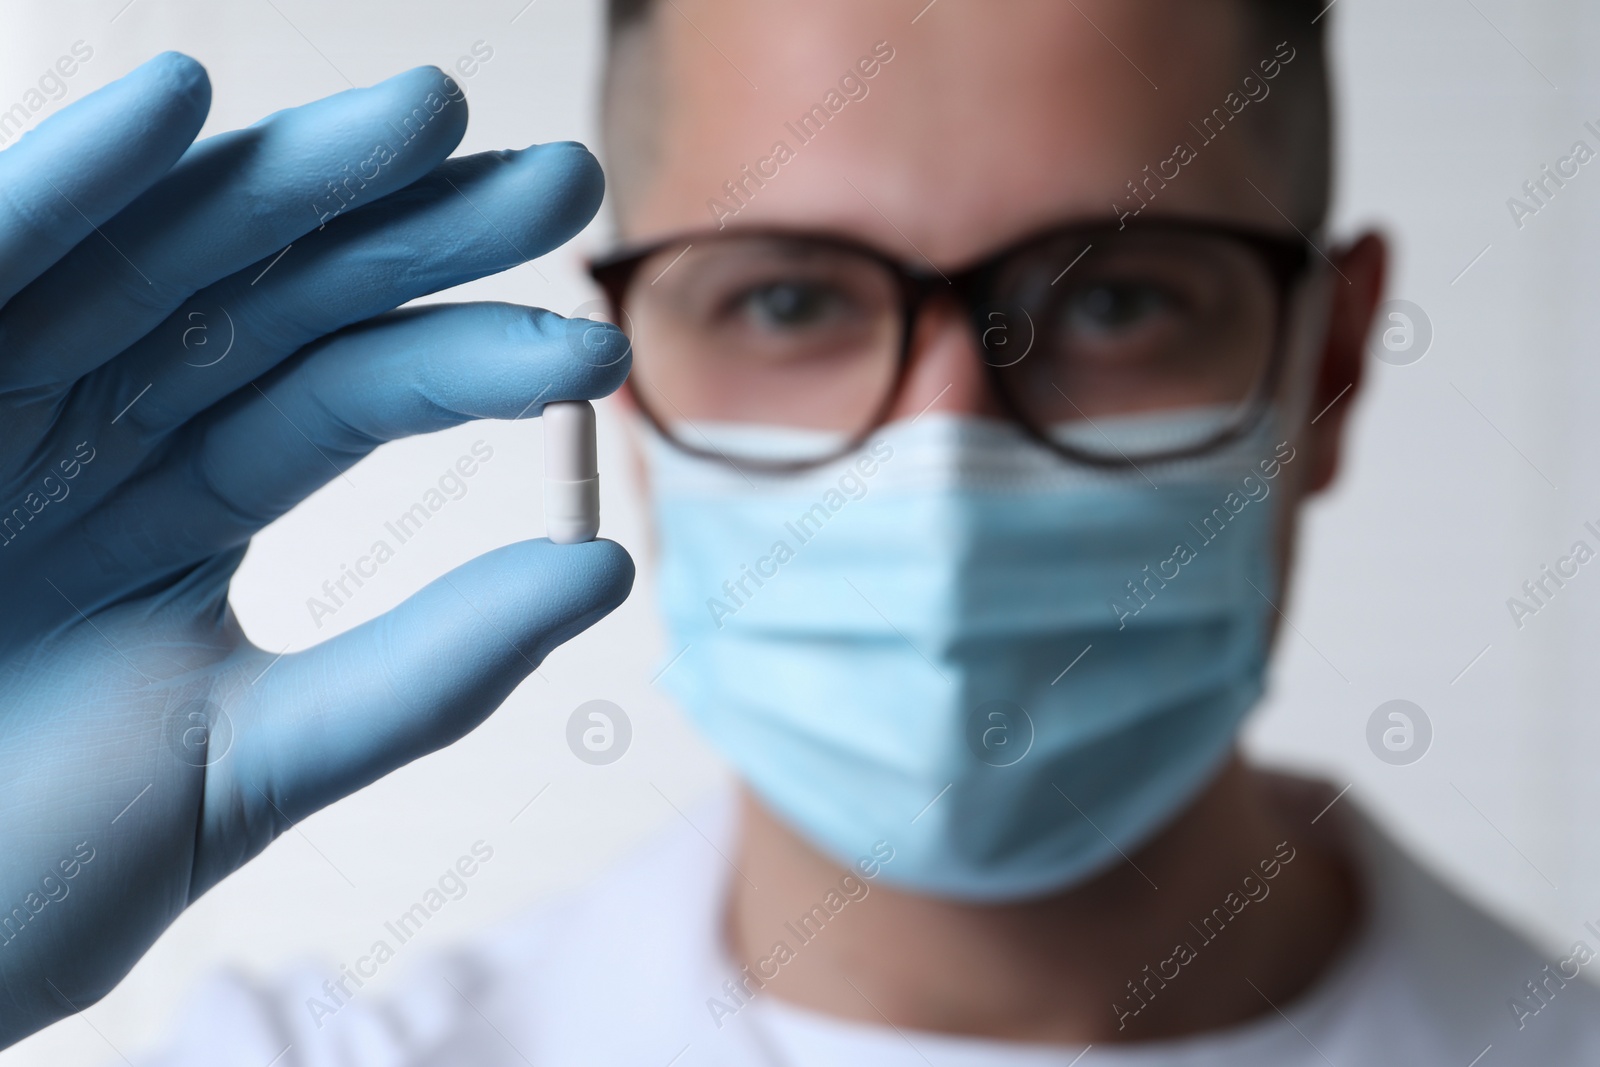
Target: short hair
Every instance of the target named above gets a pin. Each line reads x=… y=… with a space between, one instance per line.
x=1304 y=129
x=621 y=14
x=1298 y=21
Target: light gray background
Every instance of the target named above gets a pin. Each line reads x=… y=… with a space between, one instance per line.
x=1470 y=469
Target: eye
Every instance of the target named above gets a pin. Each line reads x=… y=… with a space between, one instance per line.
x=790 y=305
x=1110 y=308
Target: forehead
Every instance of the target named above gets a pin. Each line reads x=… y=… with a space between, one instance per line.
x=981 y=120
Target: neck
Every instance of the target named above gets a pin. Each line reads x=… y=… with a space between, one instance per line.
x=1176 y=941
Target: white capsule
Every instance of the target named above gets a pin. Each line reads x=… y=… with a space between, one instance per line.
x=571 y=473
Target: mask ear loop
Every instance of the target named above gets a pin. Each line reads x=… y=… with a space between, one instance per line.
x=1307 y=338
x=1307 y=305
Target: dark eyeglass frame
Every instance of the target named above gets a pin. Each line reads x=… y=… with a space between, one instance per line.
x=1286 y=257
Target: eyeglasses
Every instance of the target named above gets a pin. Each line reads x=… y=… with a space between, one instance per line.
x=1088 y=332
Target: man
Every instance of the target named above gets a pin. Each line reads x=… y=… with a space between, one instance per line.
x=979 y=381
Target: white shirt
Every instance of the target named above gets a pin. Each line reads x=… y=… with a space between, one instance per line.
x=624 y=975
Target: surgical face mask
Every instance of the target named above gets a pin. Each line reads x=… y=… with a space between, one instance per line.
x=1007 y=668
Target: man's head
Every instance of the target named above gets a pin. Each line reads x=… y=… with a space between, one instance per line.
x=851 y=666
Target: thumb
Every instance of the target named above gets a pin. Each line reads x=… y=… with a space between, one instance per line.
x=341 y=715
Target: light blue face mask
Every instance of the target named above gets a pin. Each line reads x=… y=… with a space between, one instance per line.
x=1005 y=666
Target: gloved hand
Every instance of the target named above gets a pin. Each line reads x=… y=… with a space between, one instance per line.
x=146 y=750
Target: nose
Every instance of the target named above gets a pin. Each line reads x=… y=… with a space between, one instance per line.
x=946 y=371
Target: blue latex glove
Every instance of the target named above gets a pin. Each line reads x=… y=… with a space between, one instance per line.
x=144 y=755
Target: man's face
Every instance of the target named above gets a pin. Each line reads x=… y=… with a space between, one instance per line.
x=989 y=122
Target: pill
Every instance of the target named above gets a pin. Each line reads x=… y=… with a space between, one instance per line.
x=571 y=473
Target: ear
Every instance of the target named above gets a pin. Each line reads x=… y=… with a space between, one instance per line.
x=1363 y=265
